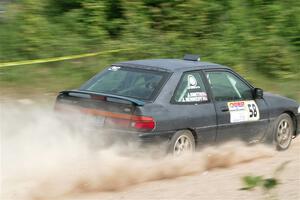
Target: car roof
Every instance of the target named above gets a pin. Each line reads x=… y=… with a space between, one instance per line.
x=170 y=65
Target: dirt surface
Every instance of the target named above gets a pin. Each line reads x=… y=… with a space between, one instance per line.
x=42 y=158
x=216 y=184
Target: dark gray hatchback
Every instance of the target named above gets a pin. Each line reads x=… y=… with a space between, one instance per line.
x=183 y=103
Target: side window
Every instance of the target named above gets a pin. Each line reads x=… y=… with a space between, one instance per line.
x=228 y=87
x=190 y=89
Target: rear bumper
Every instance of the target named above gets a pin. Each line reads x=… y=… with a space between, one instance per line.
x=126 y=136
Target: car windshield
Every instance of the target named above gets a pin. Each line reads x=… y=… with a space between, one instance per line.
x=129 y=82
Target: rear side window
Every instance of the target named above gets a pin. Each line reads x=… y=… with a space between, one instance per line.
x=227 y=87
x=190 y=89
x=128 y=82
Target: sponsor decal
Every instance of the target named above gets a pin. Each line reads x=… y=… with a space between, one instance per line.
x=196 y=97
x=241 y=111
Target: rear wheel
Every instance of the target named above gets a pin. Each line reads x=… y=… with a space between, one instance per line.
x=181 y=143
x=283 y=132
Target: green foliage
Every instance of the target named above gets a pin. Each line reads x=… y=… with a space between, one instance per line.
x=252 y=182
x=267 y=184
x=270 y=183
x=263 y=36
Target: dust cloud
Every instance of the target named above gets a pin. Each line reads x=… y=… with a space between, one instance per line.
x=43 y=158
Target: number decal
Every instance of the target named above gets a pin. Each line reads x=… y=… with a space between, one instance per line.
x=253 y=110
x=250 y=110
x=241 y=111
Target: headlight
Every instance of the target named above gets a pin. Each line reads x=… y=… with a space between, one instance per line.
x=299 y=110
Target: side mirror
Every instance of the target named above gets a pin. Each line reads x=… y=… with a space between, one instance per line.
x=258 y=93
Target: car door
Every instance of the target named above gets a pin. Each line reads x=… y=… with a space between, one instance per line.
x=239 y=115
x=194 y=108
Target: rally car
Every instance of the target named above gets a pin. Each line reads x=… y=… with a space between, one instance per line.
x=183 y=103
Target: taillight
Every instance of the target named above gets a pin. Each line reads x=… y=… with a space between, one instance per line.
x=117 y=122
x=143 y=123
x=136 y=122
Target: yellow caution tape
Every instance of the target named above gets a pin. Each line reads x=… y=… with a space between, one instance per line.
x=46 y=60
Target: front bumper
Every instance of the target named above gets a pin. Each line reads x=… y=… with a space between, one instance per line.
x=297 y=124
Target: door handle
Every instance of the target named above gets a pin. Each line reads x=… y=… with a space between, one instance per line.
x=224 y=109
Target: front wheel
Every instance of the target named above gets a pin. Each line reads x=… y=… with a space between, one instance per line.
x=283 y=132
x=182 y=142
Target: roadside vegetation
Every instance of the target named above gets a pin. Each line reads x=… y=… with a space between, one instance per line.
x=267 y=185
x=258 y=38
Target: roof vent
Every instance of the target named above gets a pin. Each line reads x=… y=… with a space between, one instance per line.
x=191 y=57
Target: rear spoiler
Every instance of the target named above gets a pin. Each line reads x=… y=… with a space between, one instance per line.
x=102 y=96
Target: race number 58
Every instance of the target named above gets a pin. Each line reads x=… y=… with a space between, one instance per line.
x=252 y=110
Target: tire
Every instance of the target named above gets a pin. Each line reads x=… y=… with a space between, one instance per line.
x=182 y=142
x=283 y=132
